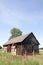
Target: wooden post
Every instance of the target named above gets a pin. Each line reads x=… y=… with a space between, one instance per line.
x=25 y=52
x=33 y=52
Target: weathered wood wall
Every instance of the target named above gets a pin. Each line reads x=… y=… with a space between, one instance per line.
x=5 y=49
x=24 y=48
x=13 y=50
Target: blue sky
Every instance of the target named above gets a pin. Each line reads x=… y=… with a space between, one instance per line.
x=27 y=15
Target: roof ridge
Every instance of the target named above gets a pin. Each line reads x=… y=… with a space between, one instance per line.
x=17 y=39
x=22 y=35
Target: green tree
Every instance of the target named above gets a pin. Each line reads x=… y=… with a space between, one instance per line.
x=15 y=32
x=0 y=47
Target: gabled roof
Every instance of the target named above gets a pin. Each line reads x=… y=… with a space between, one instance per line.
x=17 y=39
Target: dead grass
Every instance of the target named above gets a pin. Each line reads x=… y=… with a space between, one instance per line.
x=8 y=59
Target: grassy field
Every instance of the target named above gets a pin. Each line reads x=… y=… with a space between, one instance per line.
x=8 y=59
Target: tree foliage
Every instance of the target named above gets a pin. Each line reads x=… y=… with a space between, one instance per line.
x=15 y=32
x=0 y=47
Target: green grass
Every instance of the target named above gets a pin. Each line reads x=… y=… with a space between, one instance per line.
x=8 y=59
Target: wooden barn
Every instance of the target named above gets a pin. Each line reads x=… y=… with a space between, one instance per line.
x=22 y=45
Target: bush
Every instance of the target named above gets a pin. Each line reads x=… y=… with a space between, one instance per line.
x=0 y=47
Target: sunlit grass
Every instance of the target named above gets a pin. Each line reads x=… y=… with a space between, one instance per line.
x=8 y=59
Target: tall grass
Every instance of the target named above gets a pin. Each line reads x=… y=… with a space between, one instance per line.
x=8 y=59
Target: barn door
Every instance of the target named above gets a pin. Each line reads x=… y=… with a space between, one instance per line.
x=19 y=50
x=8 y=48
